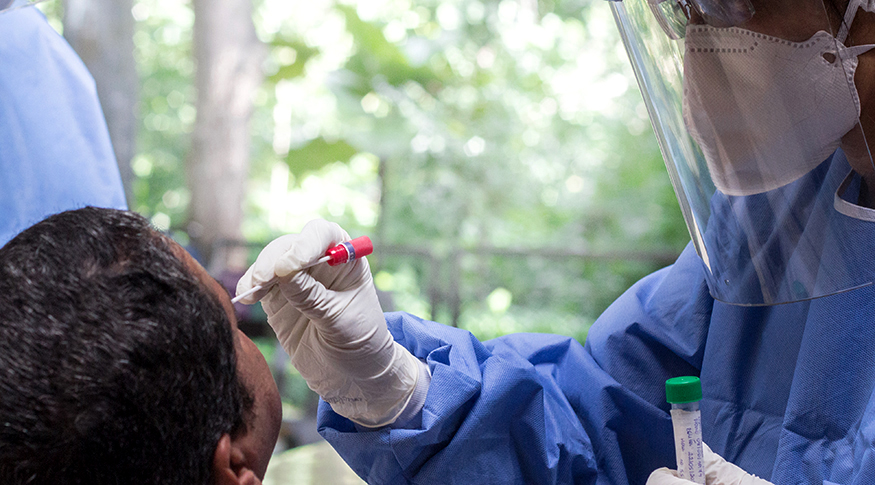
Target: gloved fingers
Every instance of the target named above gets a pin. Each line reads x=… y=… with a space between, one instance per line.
x=344 y=276
x=709 y=455
x=244 y=284
x=718 y=471
x=273 y=301
x=287 y=322
x=315 y=238
x=350 y=321
x=262 y=271
x=666 y=476
x=309 y=296
x=716 y=467
x=288 y=254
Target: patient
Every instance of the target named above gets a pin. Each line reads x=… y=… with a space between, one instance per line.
x=121 y=362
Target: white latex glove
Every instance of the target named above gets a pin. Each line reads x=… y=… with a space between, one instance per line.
x=330 y=322
x=717 y=472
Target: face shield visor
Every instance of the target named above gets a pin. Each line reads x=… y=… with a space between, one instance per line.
x=757 y=110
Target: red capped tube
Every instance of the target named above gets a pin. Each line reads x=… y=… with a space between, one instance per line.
x=350 y=250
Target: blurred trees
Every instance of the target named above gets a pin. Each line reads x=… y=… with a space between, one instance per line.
x=516 y=183
x=497 y=151
x=102 y=33
x=228 y=59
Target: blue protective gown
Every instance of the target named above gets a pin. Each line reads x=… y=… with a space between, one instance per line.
x=55 y=152
x=788 y=389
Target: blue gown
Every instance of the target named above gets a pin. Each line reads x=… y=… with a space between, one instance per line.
x=55 y=152
x=789 y=390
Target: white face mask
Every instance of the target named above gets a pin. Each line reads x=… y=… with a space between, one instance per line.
x=764 y=110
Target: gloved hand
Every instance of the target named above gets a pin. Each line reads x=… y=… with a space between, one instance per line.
x=717 y=472
x=330 y=322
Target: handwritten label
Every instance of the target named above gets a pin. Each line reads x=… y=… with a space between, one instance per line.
x=688 y=444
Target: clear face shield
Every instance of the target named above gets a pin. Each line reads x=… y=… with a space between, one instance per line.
x=757 y=107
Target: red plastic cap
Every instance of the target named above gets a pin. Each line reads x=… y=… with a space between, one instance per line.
x=363 y=246
x=350 y=250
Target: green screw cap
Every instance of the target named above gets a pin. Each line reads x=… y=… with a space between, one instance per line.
x=683 y=389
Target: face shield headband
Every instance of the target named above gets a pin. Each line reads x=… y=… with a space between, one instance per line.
x=674 y=15
x=759 y=133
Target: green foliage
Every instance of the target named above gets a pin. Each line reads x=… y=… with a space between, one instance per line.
x=488 y=150
x=473 y=140
x=162 y=44
x=379 y=57
x=318 y=153
x=291 y=57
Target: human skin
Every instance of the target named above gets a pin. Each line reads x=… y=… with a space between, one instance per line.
x=798 y=21
x=860 y=142
x=243 y=458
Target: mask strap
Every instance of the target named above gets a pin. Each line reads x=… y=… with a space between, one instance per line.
x=856 y=50
x=849 y=17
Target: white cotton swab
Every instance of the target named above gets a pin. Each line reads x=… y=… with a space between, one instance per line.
x=258 y=287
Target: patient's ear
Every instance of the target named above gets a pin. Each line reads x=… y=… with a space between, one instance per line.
x=229 y=465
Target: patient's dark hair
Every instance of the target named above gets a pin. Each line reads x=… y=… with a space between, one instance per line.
x=116 y=365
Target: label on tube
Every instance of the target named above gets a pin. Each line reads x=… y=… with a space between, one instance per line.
x=688 y=444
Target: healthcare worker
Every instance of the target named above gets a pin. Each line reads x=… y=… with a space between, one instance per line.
x=764 y=110
x=55 y=152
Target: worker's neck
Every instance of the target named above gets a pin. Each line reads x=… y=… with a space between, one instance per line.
x=867 y=192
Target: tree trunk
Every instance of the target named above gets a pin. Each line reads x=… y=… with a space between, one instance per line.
x=228 y=56
x=102 y=33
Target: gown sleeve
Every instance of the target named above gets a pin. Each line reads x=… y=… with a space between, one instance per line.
x=533 y=408
x=55 y=151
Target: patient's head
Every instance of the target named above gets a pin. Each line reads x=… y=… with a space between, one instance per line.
x=121 y=362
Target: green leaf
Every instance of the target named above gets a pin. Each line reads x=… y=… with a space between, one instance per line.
x=376 y=56
x=317 y=154
x=303 y=53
